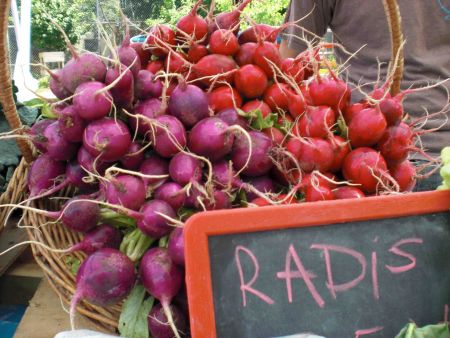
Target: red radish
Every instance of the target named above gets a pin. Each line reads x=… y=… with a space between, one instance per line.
x=162 y=279
x=244 y=55
x=294 y=146
x=229 y=20
x=223 y=98
x=159 y=38
x=144 y=54
x=154 y=165
x=329 y=91
x=103 y=236
x=189 y=104
x=305 y=92
x=250 y=81
x=293 y=68
x=319 y=193
x=366 y=167
x=276 y=96
x=192 y=24
x=231 y=117
x=275 y=135
x=146 y=86
x=196 y=52
x=366 y=128
x=149 y=108
x=341 y=148
x=316 y=122
x=352 y=110
x=155 y=66
x=151 y=219
x=307 y=58
x=57 y=146
x=125 y=190
x=223 y=42
x=134 y=157
x=92 y=101
x=105 y=278
x=56 y=86
x=157 y=322
x=405 y=175
x=71 y=125
x=184 y=168
x=260 y=162
x=107 y=139
x=171 y=193
x=392 y=109
x=315 y=154
x=257 y=105
x=176 y=246
x=265 y=52
x=175 y=63
x=170 y=136
x=123 y=91
x=296 y=105
x=42 y=174
x=211 y=138
x=90 y=163
x=396 y=142
x=317 y=179
x=347 y=192
x=261 y=32
x=215 y=65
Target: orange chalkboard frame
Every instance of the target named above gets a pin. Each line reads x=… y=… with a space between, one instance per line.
x=200 y=226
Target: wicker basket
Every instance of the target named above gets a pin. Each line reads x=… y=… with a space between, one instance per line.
x=54 y=235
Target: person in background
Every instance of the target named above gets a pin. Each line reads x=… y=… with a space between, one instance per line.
x=362 y=25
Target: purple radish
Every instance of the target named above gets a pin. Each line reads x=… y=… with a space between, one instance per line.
x=71 y=124
x=146 y=86
x=154 y=165
x=211 y=138
x=37 y=134
x=57 y=146
x=82 y=68
x=107 y=139
x=189 y=104
x=221 y=201
x=260 y=162
x=176 y=246
x=170 y=136
x=134 y=157
x=184 y=168
x=157 y=322
x=191 y=200
x=103 y=236
x=125 y=190
x=128 y=55
x=150 y=108
x=232 y=117
x=56 y=85
x=92 y=101
x=122 y=91
x=104 y=278
x=42 y=174
x=171 y=193
x=262 y=183
x=90 y=163
x=150 y=221
x=162 y=279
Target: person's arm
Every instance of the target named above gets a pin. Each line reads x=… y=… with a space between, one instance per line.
x=317 y=22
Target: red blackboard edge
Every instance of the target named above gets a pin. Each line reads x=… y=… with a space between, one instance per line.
x=202 y=225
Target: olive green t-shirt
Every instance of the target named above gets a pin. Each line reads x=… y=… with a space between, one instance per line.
x=426 y=29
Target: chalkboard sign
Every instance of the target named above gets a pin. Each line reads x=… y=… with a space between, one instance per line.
x=339 y=269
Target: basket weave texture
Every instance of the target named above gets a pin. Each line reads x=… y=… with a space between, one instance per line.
x=41 y=229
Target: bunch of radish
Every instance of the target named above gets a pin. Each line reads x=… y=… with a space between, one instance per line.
x=201 y=117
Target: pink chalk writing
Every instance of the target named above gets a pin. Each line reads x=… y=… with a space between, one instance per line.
x=376 y=289
x=247 y=287
x=395 y=250
x=301 y=273
x=330 y=283
x=366 y=332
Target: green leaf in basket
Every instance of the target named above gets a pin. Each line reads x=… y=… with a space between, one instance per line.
x=73 y=264
x=133 y=319
x=429 y=331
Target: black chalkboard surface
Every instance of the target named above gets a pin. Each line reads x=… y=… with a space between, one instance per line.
x=334 y=280
x=339 y=269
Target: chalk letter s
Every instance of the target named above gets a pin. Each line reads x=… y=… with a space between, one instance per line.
x=395 y=249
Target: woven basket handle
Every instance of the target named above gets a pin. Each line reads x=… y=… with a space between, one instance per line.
x=395 y=28
x=6 y=94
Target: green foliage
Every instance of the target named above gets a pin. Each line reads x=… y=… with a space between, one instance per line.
x=44 y=35
x=43 y=82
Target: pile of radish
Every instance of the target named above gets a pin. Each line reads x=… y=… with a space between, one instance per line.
x=200 y=118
